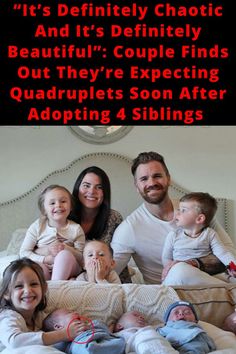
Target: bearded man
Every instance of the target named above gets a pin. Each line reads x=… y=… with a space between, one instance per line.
x=142 y=234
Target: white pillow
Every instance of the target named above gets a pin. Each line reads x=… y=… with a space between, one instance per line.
x=5 y=261
x=16 y=241
x=151 y=300
x=96 y=301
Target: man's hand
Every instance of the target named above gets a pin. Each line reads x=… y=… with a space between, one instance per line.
x=231 y=269
x=232 y=273
x=211 y=265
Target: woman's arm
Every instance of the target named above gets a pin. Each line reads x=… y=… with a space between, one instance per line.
x=113 y=222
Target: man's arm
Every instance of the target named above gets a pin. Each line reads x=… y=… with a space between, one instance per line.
x=224 y=237
x=211 y=264
x=122 y=259
x=122 y=245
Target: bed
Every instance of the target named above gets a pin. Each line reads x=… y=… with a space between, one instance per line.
x=18 y=213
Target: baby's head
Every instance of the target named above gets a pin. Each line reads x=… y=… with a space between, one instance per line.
x=181 y=310
x=130 y=319
x=196 y=208
x=59 y=319
x=97 y=250
x=229 y=323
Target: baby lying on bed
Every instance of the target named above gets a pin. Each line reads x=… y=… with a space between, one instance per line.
x=95 y=338
x=141 y=338
x=183 y=331
x=132 y=334
x=144 y=339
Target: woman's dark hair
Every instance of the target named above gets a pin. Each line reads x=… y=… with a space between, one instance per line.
x=9 y=276
x=100 y=222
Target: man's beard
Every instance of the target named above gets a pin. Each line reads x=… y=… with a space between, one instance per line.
x=155 y=199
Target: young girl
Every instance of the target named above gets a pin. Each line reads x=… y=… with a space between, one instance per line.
x=22 y=299
x=53 y=241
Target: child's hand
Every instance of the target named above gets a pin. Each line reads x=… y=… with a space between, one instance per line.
x=56 y=247
x=111 y=327
x=48 y=260
x=76 y=327
x=101 y=270
x=90 y=269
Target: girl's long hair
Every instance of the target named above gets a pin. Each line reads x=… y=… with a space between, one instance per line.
x=9 y=277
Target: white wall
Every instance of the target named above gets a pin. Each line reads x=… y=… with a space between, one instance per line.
x=199 y=158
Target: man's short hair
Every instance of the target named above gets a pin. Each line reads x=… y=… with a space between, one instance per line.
x=145 y=157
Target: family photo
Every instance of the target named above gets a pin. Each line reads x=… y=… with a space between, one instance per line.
x=117 y=239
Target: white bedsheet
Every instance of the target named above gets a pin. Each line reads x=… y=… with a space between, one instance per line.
x=32 y=349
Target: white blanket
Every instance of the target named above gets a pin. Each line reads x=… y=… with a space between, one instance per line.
x=32 y=349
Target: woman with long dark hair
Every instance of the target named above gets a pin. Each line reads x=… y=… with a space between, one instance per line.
x=92 y=207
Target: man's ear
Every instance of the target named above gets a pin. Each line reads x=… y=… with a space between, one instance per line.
x=169 y=181
x=135 y=185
